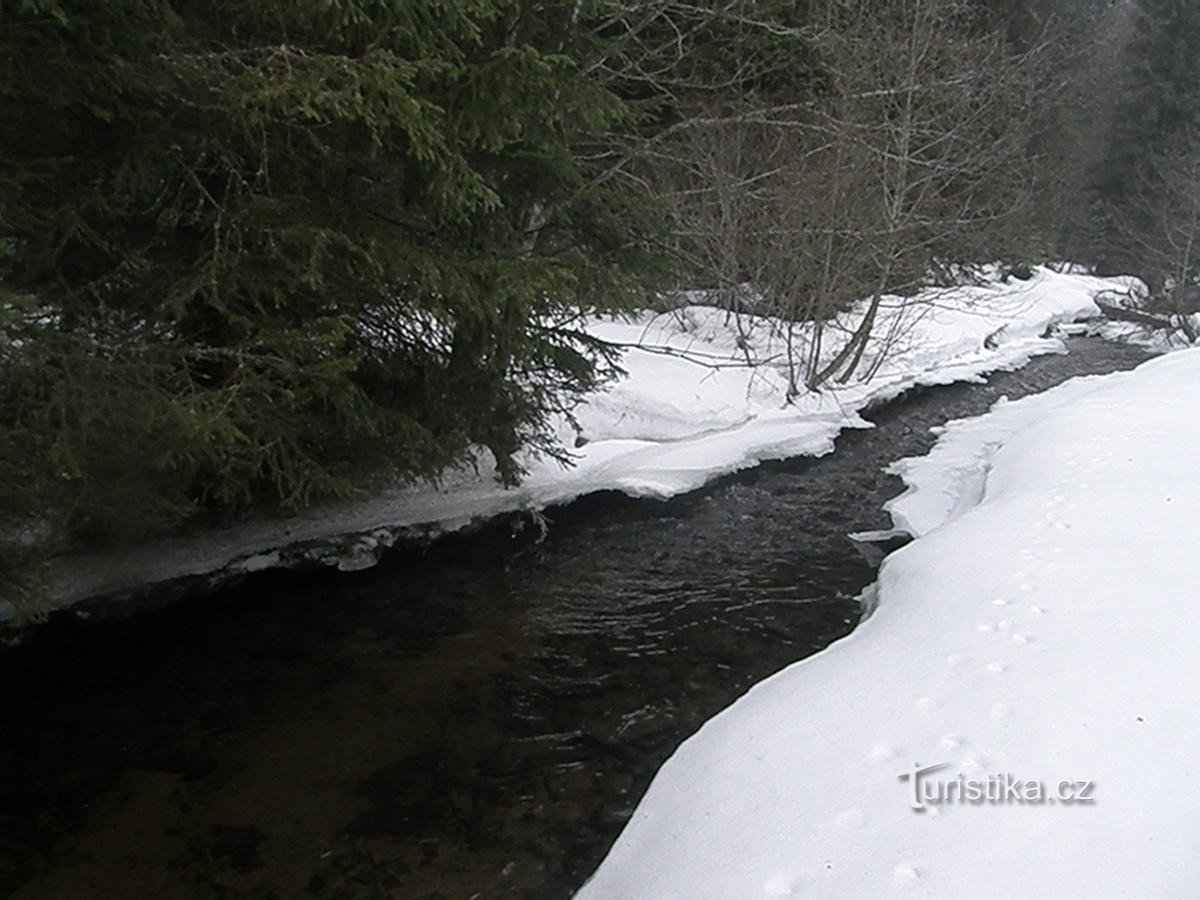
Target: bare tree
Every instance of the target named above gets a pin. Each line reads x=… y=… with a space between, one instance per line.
x=940 y=111
x=907 y=152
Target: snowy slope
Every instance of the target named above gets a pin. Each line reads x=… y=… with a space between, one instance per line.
x=689 y=410
x=1044 y=625
x=676 y=421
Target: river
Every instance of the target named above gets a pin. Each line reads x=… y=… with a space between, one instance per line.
x=474 y=719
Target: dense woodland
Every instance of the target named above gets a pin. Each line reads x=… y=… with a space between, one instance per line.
x=254 y=254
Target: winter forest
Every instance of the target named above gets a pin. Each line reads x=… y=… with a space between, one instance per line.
x=543 y=312
x=253 y=255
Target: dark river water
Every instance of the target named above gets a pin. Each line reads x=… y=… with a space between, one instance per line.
x=476 y=719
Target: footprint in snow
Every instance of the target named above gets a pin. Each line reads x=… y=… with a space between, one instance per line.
x=779 y=886
x=1024 y=581
x=974 y=761
x=905 y=875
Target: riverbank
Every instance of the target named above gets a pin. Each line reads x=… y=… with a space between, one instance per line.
x=476 y=717
x=690 y=409
x=1041 y=629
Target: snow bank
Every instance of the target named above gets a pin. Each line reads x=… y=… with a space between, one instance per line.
x=951 y=478
x=691 y=409
x=1156 y=340
x=1043 y=626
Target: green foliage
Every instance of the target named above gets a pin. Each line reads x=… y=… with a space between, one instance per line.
x=252 y=254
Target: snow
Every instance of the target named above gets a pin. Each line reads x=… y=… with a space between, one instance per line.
x=951 y=478
x=1156 y=340
x=690 y=410
x=1042 y=625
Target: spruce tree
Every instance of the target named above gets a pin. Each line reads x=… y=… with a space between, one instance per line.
x=252 y=254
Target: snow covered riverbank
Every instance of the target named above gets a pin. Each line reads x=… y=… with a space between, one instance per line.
x=1043 y=627
x=691 y=409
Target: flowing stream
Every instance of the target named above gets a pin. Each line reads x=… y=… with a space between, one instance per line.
x=476 y=719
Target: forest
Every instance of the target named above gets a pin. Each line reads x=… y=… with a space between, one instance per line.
x=254 y=255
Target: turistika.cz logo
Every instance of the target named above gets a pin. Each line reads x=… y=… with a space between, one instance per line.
x=1000 y=789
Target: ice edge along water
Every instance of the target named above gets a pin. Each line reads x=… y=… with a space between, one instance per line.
x=1043 y=625
x=679 y=419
